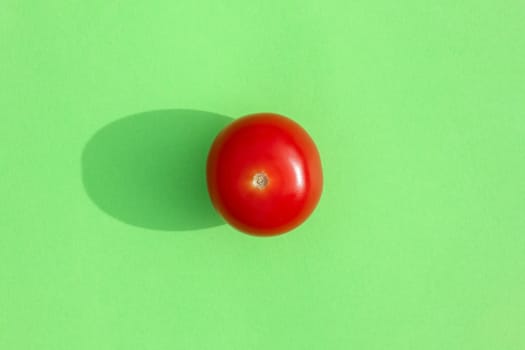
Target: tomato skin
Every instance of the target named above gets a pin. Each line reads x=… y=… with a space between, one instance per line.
x=264 y=174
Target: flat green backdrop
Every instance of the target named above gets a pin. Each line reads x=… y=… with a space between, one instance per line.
x=417 y=107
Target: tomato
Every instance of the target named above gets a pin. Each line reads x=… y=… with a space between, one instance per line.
x=264 y=174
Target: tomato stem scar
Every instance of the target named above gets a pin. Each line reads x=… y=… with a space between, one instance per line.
x=260 y=180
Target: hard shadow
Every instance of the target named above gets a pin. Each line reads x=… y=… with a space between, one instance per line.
x=149 y=169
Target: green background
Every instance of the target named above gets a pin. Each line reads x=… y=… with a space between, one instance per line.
x=418 y=109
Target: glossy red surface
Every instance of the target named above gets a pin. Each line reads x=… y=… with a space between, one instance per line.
x=278 y=153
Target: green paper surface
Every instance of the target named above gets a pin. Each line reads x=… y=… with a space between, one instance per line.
x=418 y=110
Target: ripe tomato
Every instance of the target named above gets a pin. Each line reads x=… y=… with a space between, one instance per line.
x=264 y=174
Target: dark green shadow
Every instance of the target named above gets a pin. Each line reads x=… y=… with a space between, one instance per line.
x=149 y=169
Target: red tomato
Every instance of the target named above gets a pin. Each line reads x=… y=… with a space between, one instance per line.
x=264 y=174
